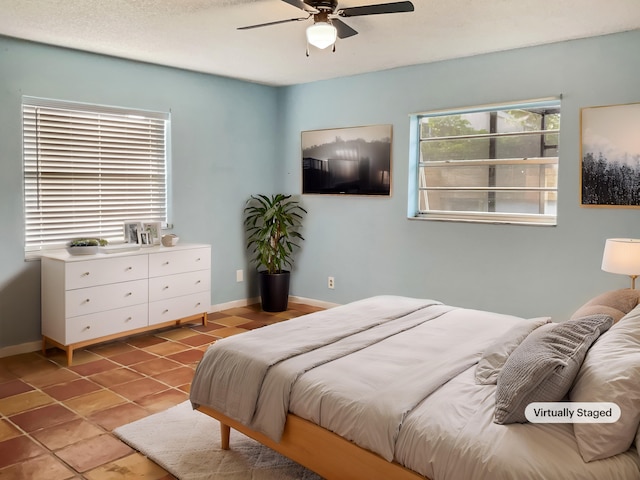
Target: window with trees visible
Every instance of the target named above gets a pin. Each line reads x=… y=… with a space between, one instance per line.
x=494 y=164
x=90 y=168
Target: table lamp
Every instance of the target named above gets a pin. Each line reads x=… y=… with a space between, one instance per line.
x=622 y=256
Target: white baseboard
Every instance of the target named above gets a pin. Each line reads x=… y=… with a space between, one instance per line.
x=37 y=345
x=20 y=349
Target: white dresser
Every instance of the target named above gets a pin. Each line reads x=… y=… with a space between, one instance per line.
x=88 y=299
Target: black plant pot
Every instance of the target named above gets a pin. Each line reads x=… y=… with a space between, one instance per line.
x=274 y=291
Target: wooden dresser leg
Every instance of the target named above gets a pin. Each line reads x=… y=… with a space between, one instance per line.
x=69 y=355
x=44 y=345
x=225 y=432
x=204 y=319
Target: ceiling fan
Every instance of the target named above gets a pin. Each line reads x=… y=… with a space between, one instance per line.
x=326 y=24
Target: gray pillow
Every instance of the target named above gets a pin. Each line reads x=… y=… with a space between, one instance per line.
x=493 y=358
x=543 y=367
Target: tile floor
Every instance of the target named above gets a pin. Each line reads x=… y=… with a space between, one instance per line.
x=56 y=421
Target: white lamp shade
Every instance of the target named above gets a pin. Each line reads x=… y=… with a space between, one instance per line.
x=321 y=34
x=622 y=256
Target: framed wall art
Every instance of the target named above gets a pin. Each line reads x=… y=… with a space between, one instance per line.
x=347 y=161
x=610 y=155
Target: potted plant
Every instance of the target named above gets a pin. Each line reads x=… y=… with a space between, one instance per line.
x=272 y=224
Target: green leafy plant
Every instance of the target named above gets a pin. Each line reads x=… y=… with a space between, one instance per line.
x=272 y=224
x=88 y=242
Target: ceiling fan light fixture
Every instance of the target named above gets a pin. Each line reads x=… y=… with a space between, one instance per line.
x=321 y=34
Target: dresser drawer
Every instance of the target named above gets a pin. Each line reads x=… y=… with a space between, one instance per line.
x=83 y=301
x=120 y=320
x=179 y=261
x=90 y=273
x=178 y=307
x=179 y=284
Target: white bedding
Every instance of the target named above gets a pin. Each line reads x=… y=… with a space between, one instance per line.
x=395 y=376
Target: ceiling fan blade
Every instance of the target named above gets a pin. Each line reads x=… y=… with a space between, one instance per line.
x=299 y=4
x=395 y=7
x=343 y=30
x=249 y=27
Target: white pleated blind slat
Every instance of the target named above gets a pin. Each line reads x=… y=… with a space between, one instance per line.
x=87 y=169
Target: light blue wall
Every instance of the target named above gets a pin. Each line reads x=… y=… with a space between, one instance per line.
x=232 y=138
x=369 y=245
x=223 y=149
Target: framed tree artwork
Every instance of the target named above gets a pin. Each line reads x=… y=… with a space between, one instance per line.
x=610 y=154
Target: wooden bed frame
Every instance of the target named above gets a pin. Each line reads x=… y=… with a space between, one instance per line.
x=320 y=450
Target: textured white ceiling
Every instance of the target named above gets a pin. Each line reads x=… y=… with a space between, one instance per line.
x=201 y=35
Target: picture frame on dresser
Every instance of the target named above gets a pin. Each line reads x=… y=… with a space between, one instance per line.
x=132 y=230
x=154 y=229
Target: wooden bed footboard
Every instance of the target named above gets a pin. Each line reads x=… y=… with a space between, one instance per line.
x=320 y=450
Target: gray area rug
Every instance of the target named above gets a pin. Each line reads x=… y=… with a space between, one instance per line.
x=186 y=443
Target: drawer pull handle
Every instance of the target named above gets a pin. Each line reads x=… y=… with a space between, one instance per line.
x=85 y=274
x=198 y=304
x=128 y=294
x=166 y=310
x=166 y=287
x=87 y=300
x=198 y=282
x=166 y=263
x=88 y=327
x=129 y=268
x=128 y=319
x=198 y=259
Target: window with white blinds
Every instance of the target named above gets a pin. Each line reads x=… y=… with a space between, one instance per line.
x=89 y=168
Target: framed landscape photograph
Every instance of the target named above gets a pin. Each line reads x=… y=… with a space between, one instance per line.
x=347 y=161
x=610 y=155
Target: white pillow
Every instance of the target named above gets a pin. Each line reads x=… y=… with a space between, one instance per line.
x=496 y=354
x=611 y=373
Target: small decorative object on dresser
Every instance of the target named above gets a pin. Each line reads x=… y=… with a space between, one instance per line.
x=95 y=298
x=170 y=240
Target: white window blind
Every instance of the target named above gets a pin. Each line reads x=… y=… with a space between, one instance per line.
x=87 y=169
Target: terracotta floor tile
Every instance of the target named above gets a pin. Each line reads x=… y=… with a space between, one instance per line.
x=253 y=324
x=44 y=467
x=23 y=402
x=119 y=415
x=232 y=322
x=198 y=339
x=94 y=402
x=177 y=334
x=43 y=417
x=111 y=349
x=61 y=375
x=145 y=341
x=139 y=388
x=208 y=328
x=212 y=317
x=163 y=400
x=7 y=430
x=13 y=387
x=83 y=356
x=65 y=434
x=131 y=467
x=93 y=452
x=115 y=377
x=188 y=356
x=155 y=366
x=228 y=331
x=65 y=391
x=176 y=377
x=133 y=357
x=18 y=449
x=238 y=311
x=166 y=348
x=28 y=363
x=97 y=366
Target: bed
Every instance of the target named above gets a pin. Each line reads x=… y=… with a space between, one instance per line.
x=407 y=388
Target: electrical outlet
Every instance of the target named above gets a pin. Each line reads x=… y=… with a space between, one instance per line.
x=331 y=283
x=239 y=276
